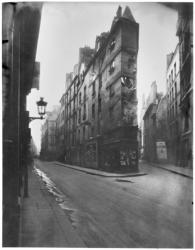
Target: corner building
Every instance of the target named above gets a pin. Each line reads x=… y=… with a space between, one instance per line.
x=105 y=131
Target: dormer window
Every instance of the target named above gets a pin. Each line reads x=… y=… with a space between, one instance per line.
x=112 y=67
x=112 y=44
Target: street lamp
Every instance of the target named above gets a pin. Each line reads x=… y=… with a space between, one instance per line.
x=41 y=107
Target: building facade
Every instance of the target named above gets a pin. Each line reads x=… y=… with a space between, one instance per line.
x=150 y=135
x=101 y=100
x=60 y=130
x=173 y=107
x=20 y=30
x=162 y=135
x=48 y=136
x=185 y=34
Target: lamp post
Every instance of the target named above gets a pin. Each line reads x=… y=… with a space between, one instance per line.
x=41 y=107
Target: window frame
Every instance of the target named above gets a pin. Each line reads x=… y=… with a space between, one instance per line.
x=112 y=67
x=112 y=44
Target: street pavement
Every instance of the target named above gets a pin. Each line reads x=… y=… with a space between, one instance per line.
x=42 y=222
x=147 y=211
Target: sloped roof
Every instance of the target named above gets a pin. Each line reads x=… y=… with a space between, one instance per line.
x=128 y=14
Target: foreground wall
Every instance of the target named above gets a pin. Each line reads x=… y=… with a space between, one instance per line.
x=20 y=28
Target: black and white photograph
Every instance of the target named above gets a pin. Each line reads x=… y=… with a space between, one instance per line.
x=97 y=124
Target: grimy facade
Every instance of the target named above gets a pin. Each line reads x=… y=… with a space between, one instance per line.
x=101 y=100
x=20 y=73
x=173 y=107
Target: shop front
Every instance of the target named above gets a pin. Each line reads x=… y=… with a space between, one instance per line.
x=120 y=155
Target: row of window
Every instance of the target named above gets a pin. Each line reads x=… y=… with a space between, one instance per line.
x=172 y=93
x=125 y=81
x=111 y=112
x=172 y=111
x=111 y=70
x=75 y=137
x=92 y=110
x=111 y=89
x=111 y=115
x=172 y=76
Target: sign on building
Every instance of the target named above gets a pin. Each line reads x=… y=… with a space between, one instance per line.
x=161 y=150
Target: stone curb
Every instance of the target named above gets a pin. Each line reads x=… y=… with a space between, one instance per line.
x=100 y=173
x=170 y=170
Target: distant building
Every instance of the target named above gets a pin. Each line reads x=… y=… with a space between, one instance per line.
x=150 y=124
x=60 y=130
x=101 y=101
x=173 y=107
x=48 y=136
x=162 y=130
x=185 y=34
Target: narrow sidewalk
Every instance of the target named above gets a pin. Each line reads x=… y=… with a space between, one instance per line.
x=187 y=172
x=42 y=222
x=99 y=172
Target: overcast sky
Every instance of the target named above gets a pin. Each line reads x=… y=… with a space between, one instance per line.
x=65 y=27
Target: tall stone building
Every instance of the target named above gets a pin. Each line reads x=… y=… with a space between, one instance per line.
x=73 y=106
x=20 y=30
x=101 y=101
x=173 y=107
x=185 y=34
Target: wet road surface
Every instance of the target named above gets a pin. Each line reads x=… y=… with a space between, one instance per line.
x=151 y=211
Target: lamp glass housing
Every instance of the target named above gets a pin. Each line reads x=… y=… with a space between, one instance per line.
x=41 y=106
